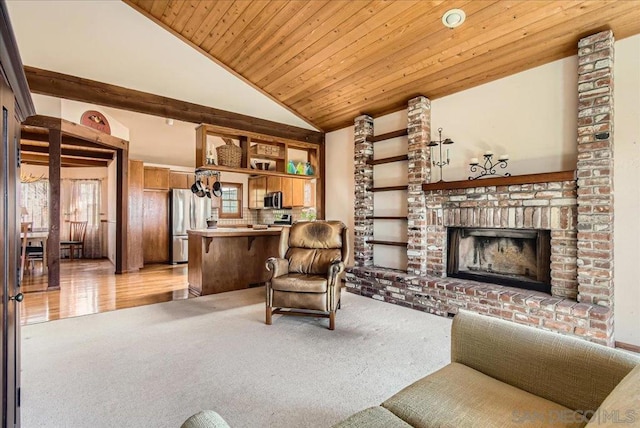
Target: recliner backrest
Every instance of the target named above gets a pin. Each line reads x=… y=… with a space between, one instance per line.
x=313 y=246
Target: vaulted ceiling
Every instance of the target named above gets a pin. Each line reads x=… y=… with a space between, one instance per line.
x=331 y=60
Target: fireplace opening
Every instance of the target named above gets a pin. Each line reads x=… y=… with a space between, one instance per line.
x=513 y=257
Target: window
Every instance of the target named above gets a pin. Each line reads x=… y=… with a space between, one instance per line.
x=35 y=203
x=231 y=200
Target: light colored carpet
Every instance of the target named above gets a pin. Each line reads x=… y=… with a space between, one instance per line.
x=153 y=366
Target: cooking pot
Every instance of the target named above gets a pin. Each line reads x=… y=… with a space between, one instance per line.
x=198 y=189
x=217 y=189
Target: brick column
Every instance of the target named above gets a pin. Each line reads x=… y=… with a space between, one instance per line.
x=419 y=129
x=363 y=177
x=595 y=169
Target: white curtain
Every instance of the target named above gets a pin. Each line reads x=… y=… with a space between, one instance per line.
x=35 y=204
x=81 y=201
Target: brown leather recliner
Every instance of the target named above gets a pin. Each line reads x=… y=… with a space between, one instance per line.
x=305 y=278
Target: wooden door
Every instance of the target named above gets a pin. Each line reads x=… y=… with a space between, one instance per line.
x=9 y=248
x=155 y=231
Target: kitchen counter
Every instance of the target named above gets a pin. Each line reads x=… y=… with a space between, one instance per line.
x=222 y=232
x=225 y=259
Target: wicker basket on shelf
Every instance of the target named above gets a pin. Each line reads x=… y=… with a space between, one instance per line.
x=229 y=155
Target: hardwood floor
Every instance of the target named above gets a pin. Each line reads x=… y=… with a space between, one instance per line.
x=90 y=286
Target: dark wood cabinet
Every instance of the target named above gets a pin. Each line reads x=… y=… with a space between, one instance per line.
x=156 y=226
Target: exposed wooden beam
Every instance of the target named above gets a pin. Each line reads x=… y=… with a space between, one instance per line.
x=27 y=135
x=30 y=148
x=43 y=159
x=73 y=130
x=55 y=209
x=122 y=210
x=80 y=89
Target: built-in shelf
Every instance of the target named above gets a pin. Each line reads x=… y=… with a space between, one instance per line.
x=502 y=181
x=256 y=172
x=389 y=160
x=388 y=136
x=389 y=188
x=391 y=243
x=386 y=217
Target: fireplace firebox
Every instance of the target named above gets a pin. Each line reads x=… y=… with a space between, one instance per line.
x=513 y=257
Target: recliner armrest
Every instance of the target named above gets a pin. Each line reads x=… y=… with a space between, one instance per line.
x=335 y=269
x=277 y=266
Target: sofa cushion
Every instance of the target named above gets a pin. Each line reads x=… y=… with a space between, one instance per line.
x=566 y=370
x=373 y=417
x=459 y=396
x=300 y=283
x=621 y=407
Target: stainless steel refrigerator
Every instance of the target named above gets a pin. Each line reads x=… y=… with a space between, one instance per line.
x=188 y=211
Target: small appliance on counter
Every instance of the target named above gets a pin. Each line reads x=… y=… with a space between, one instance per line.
x=273 y=200
x=282 y=219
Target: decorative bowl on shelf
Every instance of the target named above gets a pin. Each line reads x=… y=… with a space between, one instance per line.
x=262 y=165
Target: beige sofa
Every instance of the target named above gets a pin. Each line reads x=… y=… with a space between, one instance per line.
x=506 y=375
x=503 y=374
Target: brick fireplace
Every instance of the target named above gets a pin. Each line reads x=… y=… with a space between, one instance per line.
x=573 y=208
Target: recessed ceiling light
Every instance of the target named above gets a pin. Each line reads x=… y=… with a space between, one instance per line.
x=453 y=18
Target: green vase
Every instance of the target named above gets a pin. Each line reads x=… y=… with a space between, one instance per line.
x=291 y=167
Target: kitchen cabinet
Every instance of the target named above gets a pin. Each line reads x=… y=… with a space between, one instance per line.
x=257 y=190
x=297 y=192
x=274 y=184
x=180 y=180
x=156 y=178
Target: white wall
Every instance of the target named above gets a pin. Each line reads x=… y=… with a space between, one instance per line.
x=627 y=189
x=532 y=116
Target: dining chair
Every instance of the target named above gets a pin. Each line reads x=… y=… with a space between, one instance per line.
x=77 y=230
x=25 y=227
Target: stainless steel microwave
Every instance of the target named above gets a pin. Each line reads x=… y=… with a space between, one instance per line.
x=273 y=200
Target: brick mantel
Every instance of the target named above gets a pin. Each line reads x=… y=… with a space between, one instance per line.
x=501 y=181
x=576 y=207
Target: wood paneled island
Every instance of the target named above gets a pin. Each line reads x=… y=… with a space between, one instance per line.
x=229 y=259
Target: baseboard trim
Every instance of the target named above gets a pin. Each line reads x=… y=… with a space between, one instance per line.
x=628 y=347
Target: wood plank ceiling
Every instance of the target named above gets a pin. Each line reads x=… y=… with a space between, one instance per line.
x=331 y=60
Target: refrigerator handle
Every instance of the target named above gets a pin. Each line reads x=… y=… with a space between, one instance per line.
x=192 y=212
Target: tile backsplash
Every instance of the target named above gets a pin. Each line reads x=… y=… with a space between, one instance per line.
x=256 y=216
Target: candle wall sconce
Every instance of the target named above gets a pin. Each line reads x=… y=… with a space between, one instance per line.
x=488 y=168
x=440 y=142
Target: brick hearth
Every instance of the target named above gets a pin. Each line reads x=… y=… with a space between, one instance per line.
x=578 y=213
